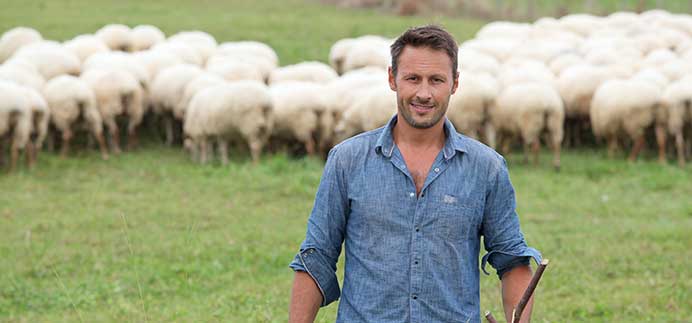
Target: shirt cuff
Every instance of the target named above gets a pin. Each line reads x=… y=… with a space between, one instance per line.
x=311 y=261
x=503 y=261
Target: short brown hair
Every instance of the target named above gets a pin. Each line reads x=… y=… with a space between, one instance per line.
x=431 y=36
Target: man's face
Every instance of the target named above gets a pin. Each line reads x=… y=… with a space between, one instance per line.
x=423 y=85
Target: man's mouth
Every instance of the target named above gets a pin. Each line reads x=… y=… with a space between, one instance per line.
x=422 y=108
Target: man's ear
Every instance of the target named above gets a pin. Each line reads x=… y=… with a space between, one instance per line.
x=392 y=79
x=455 y=84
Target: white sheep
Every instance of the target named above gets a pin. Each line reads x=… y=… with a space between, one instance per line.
x=341 y=48
x=144 y=37
x=526 y=110
x=199 y=83
x=86 y=45
x=310 y=71
x=156 y=60
x=343 y=91
x=367 y=53
x=117 y=93
x=577 y=86
x=473 y=61
x=249 y=48
x=469 y=107
x=677 y=100
x=299 y=114
x=259 y=63
x=166 y=94
x=203 y=43
x=371 y=109
x=15 y=38
x=233 y=70
x=73 y=106
x=625 y=105
x=227 y=111
x=15 y=123
x=40 y=118
x=17 y=74
x=116 y=36
x=50 y=58
x=185 y=52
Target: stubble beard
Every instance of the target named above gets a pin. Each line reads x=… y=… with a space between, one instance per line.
x=438 y=112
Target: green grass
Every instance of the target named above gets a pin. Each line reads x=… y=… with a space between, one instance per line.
x=149 y=236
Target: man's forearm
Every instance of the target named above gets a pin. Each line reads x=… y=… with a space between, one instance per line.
x=305 y=299
x=514 y=283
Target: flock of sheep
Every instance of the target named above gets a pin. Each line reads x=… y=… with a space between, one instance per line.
x=614 y=76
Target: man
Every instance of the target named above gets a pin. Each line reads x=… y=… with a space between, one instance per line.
x=411 y=201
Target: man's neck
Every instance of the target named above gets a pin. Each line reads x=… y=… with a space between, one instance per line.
x=406 y=135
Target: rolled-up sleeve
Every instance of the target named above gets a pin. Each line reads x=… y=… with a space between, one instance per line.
x=502 y=236
x=320 y=250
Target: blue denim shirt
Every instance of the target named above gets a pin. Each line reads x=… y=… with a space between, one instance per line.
x=410 y=258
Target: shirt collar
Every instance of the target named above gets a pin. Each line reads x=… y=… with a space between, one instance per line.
x=453 y=142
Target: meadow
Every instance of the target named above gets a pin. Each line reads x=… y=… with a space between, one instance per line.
x=148 y=236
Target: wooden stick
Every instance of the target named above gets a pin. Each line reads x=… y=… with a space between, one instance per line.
x=490 y=317
x=529 y=291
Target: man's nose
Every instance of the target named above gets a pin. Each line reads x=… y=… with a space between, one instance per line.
x=423 y=94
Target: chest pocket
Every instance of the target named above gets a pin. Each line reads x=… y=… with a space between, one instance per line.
x=456 y=218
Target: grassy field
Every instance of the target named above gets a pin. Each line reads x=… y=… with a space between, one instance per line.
x=148 y=236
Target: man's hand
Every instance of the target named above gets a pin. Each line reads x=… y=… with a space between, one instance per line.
x=514 y=283
x=305 y=299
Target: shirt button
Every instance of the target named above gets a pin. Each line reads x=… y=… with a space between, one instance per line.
x=417 y=229
x=437 y=170
x=416 y=262
x=411 y=194
x=414 y=296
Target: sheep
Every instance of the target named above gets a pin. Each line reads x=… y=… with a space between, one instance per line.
x=300 y=113
x=201 y=82
x=15 y=38
x=185 y=52
x=144 y=37
x=221 y=60
x=564 y=61
x=474 y=61
x=501 y=49
x=577 y=86
x=341 y=92
x=84 y=46
x=236 y=71
x=504 y=29
x=677 y=100
x=120 y=61
x=156 y=60
x=249 y=48
x=203 y=43
x=367 y=53
x=167 y=91
x=342 y=48
x=40 y=118
x=15 y=124
x=371 y=109
x=528 y=109
x=338 y=52
x=468 y=107
x=516 y=71
x=50 y=58
x=116 y=36
x=583 y=24
x=21 y=76
x=226 y=111
x=117 y=93
x=72 y=105
x=625 y=106
x=310 y=71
